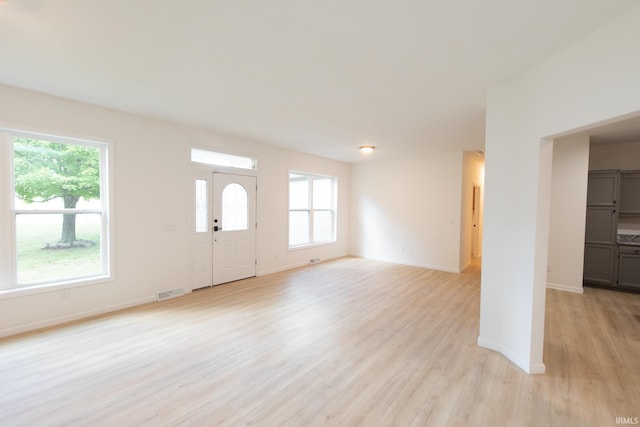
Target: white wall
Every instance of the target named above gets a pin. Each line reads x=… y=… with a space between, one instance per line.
x=594 y=81
x=408 y=210
x=623 y=156
x=152 y=201
x=472 y=174
x=567 y=218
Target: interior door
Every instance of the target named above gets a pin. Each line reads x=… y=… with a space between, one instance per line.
x=234 y=227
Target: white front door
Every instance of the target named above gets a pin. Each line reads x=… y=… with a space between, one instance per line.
x=234 y=227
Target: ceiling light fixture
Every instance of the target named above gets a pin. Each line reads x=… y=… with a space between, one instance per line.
x=367 y=148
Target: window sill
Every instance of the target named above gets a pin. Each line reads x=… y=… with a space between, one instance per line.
x=311 y=245
x=52 y=287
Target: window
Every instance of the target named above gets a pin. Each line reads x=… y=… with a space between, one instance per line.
x=221 y=159
x=312 y=212
x=58 y=218
x=202 y=215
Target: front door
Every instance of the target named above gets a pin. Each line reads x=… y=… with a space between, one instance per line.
x=234 y=227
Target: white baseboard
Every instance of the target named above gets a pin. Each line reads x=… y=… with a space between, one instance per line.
x=565 y=288
x=529 y=368
x=65 y=319
x=412 y=264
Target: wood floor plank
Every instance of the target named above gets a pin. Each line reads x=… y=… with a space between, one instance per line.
x=344 y=343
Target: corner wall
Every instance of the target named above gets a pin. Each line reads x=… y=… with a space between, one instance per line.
x=593 y=82
x=568 y=207
x=408 y=210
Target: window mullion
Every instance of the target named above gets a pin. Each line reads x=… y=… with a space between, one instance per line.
x=6 y=247
x=311 y=226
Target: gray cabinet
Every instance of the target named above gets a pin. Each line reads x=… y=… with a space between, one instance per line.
x=599 y=264
x=630 y=192
x=601 y=228
x=602 y=188
x=612 y=196
x=629 y=267
x=601 y=225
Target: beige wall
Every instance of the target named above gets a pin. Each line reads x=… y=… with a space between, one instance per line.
x=567 y=217
x=472 y=174
x=408 y=210
x=624 y=156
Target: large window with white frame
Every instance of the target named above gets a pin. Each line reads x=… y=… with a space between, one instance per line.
x=312 y=209
x=57 y=223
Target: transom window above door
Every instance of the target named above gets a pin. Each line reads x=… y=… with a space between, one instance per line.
x=215 y=158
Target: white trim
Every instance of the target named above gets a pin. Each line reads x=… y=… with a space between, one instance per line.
x=296 y=265
x=83 y=315
x=412 y=264
x=535 y=368
x=310 y=245
x=565 y=288
x=40 y=288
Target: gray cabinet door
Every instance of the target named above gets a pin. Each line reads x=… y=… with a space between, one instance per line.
x=630 y=193
x=629 y=267
x=599 y=265
x=601 y=225
x=602 y=189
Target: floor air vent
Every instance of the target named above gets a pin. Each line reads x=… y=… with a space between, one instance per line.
x=170 y=294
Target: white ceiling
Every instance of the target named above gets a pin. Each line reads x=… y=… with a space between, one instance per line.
x=317 y=76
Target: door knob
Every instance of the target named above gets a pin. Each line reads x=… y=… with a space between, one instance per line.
x=216 y=228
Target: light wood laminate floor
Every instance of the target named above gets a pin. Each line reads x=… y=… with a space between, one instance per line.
x=350 y=342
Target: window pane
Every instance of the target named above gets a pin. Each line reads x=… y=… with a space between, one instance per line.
x=298 y=227
x=40 y=256
x=50 y=175
x=221 y=159
x=202 y=215
x=235 y=210
x=298 y=192
x=322 y=226
x=322 y=193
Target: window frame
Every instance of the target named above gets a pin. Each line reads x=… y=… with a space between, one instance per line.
x=8 y=224
x=311 y=210
x=221 y=164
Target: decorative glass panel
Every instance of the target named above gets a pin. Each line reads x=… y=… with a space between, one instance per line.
x=41 y=257
x=235 y=208
x=202 y=214
x=298 y=227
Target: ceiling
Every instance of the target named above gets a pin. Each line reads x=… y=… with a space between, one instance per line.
x=627 y=130
x=322 y=77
